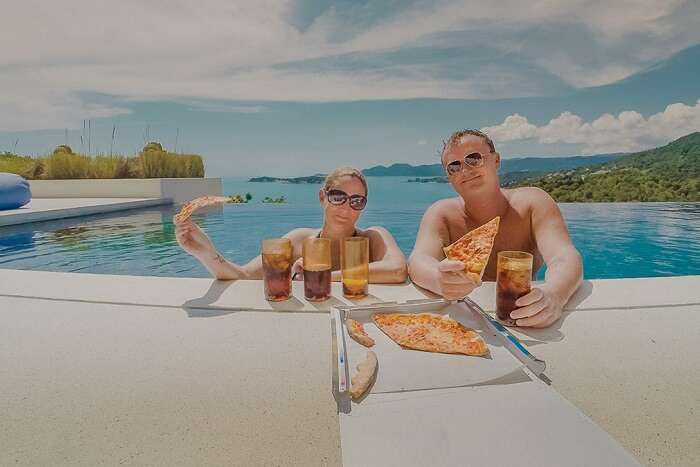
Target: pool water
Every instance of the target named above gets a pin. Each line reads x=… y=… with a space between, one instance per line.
x=616 y=240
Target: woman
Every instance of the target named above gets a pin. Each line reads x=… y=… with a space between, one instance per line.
x=343 y=197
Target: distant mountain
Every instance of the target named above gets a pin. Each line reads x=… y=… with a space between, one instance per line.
x=522 y=164
x=512 y=178
x=552 y=164
x=667 y=173
x=404 y=170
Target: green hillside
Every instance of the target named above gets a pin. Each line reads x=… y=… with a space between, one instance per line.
x=519 y=165
x=668 y=173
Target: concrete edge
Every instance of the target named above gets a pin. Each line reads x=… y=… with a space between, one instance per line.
x=64 y=213
x=198 y=293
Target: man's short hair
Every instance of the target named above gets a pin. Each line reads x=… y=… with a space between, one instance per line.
x=457 y=136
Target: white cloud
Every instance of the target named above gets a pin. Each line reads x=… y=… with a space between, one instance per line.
x=55 y=53
x=422 y=142
x=513 y=127
x=29 y=102
x=628 y=131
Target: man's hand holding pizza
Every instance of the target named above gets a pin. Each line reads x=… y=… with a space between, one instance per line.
x=452 y=280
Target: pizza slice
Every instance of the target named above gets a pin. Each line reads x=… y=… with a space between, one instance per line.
x=366 y=373
x=358 y=333
x=191 y=206
x=474 y=248
x=430 y=333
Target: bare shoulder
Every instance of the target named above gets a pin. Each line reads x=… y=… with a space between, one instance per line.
x=376 y=231
x=529 y=198
x=442 y=208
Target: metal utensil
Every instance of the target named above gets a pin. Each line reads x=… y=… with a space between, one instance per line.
x=535 y=365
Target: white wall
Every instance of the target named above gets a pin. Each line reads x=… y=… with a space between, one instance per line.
x=178 y=189
x=181 y=190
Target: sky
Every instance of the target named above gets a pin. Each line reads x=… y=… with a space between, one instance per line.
x=299 y=87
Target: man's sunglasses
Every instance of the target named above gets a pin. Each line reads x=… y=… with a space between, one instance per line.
x=338 y=197
x=472 y=160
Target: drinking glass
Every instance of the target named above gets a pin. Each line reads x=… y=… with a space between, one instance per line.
x=354 y=263
x=277 y=268
x=317 y=269
x=513 y=275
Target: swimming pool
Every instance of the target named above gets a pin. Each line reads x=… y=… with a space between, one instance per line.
x=616 y=240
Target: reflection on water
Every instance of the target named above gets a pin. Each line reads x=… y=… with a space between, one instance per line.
x=16 y=241
x=71 y=238
x=637 y=239
x=616 y=240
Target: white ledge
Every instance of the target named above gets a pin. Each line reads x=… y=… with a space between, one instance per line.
x=45 y=209
x=236 y=295
x=103 y=369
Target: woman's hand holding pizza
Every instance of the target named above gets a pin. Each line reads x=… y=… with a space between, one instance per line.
x=193 y=239
x=452 y=281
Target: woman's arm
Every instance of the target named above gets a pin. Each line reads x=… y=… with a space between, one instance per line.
x=387 y=262
x=197 y=243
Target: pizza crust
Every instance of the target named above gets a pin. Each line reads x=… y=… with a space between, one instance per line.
x=358 y=333
x=191 y=206
x=366 y=371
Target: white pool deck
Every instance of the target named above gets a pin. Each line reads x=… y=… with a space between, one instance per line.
x=125 y=370
x=44 y=209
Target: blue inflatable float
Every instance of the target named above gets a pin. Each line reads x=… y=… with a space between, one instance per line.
x=14 y=191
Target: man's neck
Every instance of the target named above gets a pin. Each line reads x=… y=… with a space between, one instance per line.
x=483 y=208
x=336 y=233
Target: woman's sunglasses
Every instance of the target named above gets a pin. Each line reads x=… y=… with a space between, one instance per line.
x=472 y=160
x=338 y=197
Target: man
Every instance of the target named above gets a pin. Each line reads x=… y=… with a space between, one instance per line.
x=530 y=221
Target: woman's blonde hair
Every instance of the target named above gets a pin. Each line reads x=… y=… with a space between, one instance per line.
x=333 y=177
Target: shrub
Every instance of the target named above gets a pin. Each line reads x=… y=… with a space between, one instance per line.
x=24 y=166
x=110 y=167
x=63 y=166
x=155 y=162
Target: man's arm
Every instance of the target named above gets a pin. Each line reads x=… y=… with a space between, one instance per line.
x=543 y=306
x=426 y=265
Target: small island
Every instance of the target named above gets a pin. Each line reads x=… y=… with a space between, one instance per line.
x=280 y=200
x=238 y=199
x=428 y=180
x=313 y=180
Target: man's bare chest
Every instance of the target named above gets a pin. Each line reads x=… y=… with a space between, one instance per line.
x=514 y=233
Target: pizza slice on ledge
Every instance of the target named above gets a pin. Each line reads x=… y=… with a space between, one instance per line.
x=474 y=248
